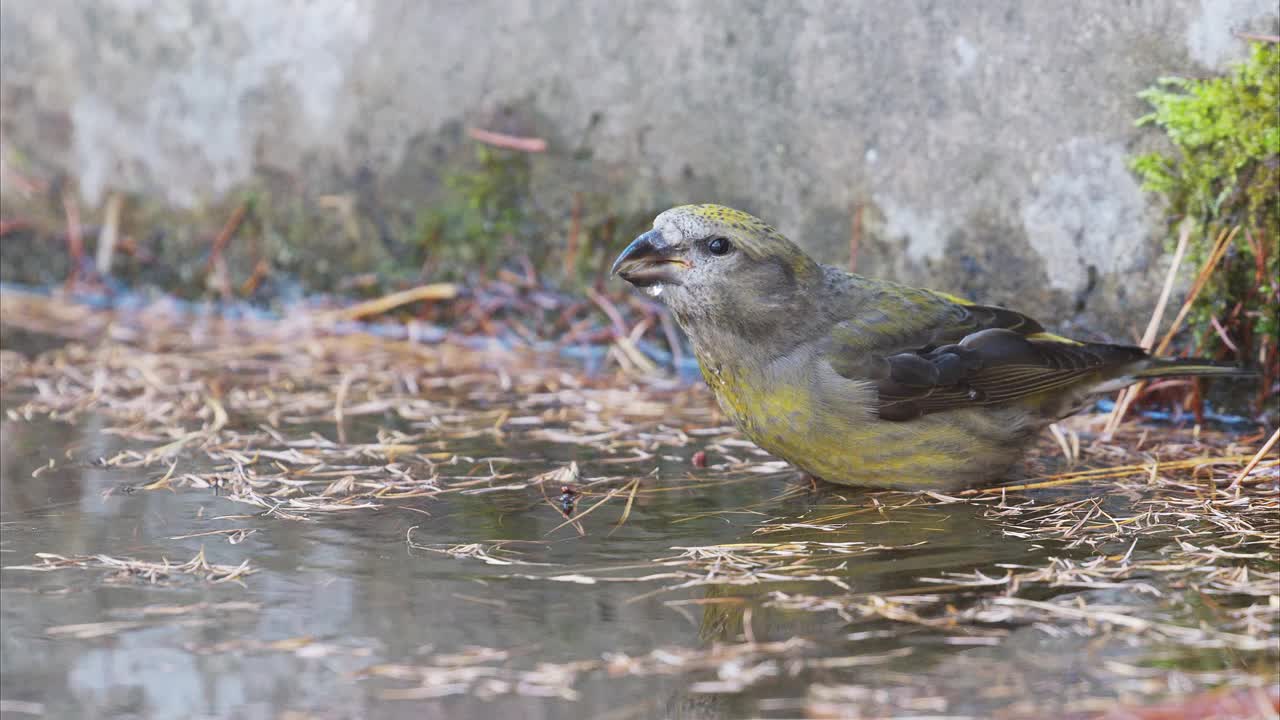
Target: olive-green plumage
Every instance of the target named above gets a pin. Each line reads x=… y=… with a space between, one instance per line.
x=861 y=381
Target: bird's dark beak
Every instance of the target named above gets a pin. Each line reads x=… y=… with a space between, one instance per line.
x=649 y=260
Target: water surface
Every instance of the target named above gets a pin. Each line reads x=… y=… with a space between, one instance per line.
x=344 y=604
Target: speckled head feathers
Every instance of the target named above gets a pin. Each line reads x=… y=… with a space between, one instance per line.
x=729 y=278
x=750 y=234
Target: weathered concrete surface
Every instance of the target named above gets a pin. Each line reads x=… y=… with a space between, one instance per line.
x=986 y=141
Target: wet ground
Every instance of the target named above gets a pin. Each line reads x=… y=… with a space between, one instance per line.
x=229 y=527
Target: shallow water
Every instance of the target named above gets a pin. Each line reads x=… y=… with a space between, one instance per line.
x=340 y=595
x=351 y=580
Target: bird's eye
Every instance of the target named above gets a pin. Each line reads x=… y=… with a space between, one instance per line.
x=719 y=246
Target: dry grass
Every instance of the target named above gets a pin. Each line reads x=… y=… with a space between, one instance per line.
x=152 y=572
x=1161 y=539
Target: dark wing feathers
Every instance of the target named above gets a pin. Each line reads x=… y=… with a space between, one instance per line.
x=989 y=316
x=896 y=319
x=989 y=367
x=931 y=354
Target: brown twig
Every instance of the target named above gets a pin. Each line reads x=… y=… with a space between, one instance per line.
x=224 y=236
x=1080 y=476
x=1153 y=327
x=75 y=240
x=377 y=306
x=12 y=226
x=1222 y=334
x=606 y=305
x=575 y=226
x=855 y=236
x=1266 y=448
x=110 y=233
x=339 y=400
x=1219 y=251
x=673 y=338
x=260 y=272
x=1258 y=37
x=507 y=142
x=1127 y=395
x=216 y=265
x=626 y=511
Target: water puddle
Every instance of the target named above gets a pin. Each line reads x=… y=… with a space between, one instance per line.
x=331 y=528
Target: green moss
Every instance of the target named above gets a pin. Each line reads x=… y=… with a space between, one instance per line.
x=486 y=211
x=1223 y=171
x=490 y=216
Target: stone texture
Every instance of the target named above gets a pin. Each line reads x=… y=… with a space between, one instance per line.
x=986 y=142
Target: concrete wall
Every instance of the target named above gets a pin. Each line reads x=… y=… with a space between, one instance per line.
x=986 y=141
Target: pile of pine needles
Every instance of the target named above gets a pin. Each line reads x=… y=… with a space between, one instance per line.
x=1147 y=536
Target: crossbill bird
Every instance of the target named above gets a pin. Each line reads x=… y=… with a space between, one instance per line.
x=861 y=381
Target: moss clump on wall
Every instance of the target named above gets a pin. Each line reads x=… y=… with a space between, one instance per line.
x=1223 y=172
x=490 y=216
x=487 y=210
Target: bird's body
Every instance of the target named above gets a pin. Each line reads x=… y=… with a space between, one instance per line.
x=798 y=407
x=861 y=381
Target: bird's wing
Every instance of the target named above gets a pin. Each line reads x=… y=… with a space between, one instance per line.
x=926 y=352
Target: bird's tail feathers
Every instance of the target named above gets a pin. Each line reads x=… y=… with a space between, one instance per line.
x=1174 y=367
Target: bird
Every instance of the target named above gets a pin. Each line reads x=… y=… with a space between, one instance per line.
x=861 y=381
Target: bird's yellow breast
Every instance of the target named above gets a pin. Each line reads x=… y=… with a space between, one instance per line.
x=757 y=405
x=845 y=442
x=782 y=416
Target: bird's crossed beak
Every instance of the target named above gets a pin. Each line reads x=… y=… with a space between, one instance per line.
x=650 y=260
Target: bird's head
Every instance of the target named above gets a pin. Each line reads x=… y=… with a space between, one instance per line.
x=720 y=268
